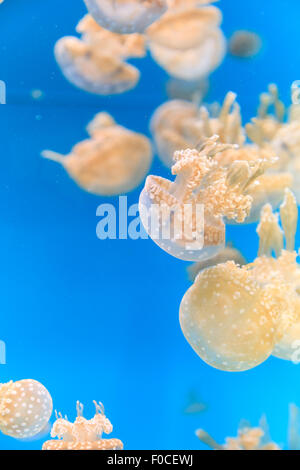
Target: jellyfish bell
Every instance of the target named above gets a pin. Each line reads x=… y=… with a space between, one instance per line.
x=126 y=16
x=114 y=161
x=194 y=63
x=184 y=29
x=92 y=70
x=229 y=319
x=185 y=217
x=83 y=434
x=25 y=408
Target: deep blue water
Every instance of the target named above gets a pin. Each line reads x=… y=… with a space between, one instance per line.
x=97 y=319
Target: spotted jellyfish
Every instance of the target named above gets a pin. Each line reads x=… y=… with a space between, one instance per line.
x=185 y=217
x=113 y=161
x=83 y=434
x=126 y=16
x=97 y=63
x=25 y=408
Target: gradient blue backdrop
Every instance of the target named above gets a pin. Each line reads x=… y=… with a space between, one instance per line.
x=99 y=320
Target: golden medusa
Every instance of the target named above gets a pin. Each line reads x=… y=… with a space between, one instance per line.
x=25 y=408
x=97 y=63
x=253 y=310
x=126 y=16
x=185 y=217
x=113 y=161
x=83 y=434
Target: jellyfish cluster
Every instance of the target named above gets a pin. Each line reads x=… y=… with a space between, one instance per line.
x=25 y=408
x=183 y=36
x=83 y=434
x=114 y=160
x=235 y=317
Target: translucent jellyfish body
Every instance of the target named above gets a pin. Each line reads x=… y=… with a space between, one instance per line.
x=25 y=408
x=248 y=439
x=244 y=44
x=126 y=16
x=185 y=217
x=282 y=268
x=187 y=41
x=280 y=131
x=113 y=161
x=229 y=319
x=96 y=63
x=83 y=434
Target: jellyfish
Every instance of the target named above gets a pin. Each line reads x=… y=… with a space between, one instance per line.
x=83 y=434
x=96 y=62
x=113 y=161
x=126 y=16
x=25 y=408
x=244 y=44
x=229 y=253
x=248 y=438
x=193 y=91
x=277 y=263
x=185 y=217
x=169 y=126
x=187 y=41
x=279 y=131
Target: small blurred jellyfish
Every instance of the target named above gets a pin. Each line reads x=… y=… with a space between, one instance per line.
x=83 y=434
x=229 y=253
x=126 y=16
x=248 y=439
x=253 y=309
x=194 y=405
x=185 y=217
x=113 y=161
x=244 y=44
x=187 y=41
x=25 y=408
x=96 y=62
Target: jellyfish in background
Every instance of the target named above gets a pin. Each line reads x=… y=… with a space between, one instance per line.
x=279 y=131
x=97 y=63
x=25 y=408
x=248 y=439
x=179 y=125
x=126 y=16
x=229 y=253
x=254 y=309
x=83 y=434
x=245 y=44
x=113 y=161
x=185 y=217
x=187 y=41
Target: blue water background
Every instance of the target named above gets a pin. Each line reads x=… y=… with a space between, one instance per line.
x=97 y=319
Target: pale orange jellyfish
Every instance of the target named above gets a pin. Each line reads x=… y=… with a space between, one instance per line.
x=185 y=217
x=113 y=161
x=248 y=439
x=187 y=41
x=283 y=268
x=96 y=63
x=280 y=131
x=25 y=408
x=229 y=253
x=126 y=16
x=83 y=434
